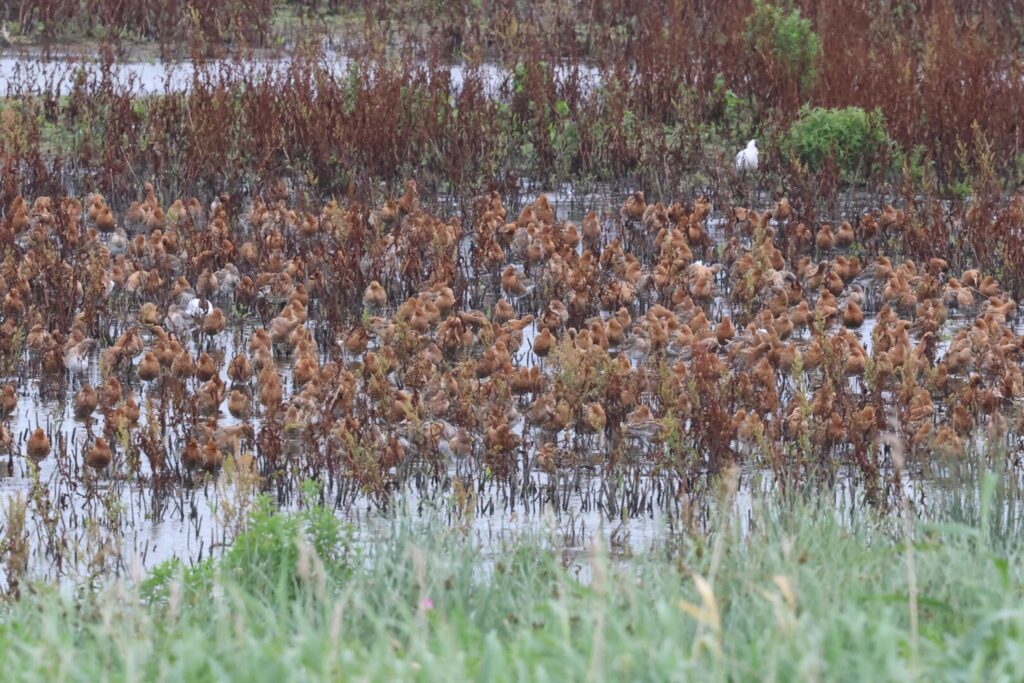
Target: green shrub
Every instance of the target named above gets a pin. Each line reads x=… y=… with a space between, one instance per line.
x=784 y=40
x=277 y=554
x=853 y=139
x=270 y=550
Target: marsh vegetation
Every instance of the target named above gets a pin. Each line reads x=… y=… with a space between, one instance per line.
x=346 y=310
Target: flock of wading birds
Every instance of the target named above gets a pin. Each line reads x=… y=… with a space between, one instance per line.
x=634 y=325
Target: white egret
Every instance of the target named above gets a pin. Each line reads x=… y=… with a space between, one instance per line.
x=746 y=159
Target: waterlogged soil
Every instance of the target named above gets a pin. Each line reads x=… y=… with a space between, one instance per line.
x=122 y=522
x=83 y=524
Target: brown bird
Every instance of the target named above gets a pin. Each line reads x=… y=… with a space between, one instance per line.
x=543 y=343
x=100 y=455
x=214 y=323
x=845 y=236
x=105 y=221
x=191 y=456
x=238 y=404
x=149 y=367
x=825 y=240
x=725 y=331
x=634 y=206
x=212 y=456
x=85 y=402
x=594 y=418
x=8 y=400
x=853 y=316
x=375 y=296
x=410 y=201
x=38 y=447
x=239 y=369
x=130 y=410
x=514 y=284
x=206 y=367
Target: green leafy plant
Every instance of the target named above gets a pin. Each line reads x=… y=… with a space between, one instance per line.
x=277 y=552
x=785 y=43
x=855 y=140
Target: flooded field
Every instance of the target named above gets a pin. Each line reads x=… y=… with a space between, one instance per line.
x=252 y=306
x=580 y=363
x=146 y=522
x=502 y=340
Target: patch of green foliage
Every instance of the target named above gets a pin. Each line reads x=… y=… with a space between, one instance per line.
x=276 y=555
x=855 y=140
x=785 y=591
x=786 y=38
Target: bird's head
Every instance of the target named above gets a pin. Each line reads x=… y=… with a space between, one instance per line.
x=752 y=144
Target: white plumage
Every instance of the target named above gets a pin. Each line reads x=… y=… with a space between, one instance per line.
x=198 y=308
x=746 y=159
x=76 y=358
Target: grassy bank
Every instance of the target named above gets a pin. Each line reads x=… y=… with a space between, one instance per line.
x=791 y=595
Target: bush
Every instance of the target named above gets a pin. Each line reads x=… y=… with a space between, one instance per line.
x=277 y=554
x=855 y=140
x=786 y=46
x=279 y=547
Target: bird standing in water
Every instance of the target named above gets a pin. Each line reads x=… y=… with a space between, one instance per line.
x=746 y=162
x=746 y=159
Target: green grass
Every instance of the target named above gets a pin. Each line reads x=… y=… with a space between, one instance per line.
x=800 y=596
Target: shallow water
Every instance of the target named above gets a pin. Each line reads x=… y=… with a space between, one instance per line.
x=114 y=525
x=56 y=75
x=149 y=527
